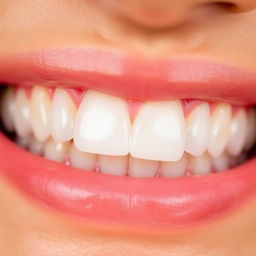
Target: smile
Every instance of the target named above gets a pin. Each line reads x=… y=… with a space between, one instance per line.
x=110 y=140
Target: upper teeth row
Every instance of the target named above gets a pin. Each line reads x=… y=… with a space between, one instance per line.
x=102 y=125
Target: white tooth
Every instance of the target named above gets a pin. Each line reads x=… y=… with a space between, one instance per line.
x=200 y=165
x=102 y=125
x=23 y=141
x=197 y=130
x=82 y=160
x=116 y=165
x=140 y=168
x=221 y=163
x=63 y=116
x=7 y=109
x=56 y=151
x=40 y=107
x=22 y=114
x=174 y=169
x=238 y=132
x=36 y=147
x=251 y=129
x=219 y=129
x=158 y=132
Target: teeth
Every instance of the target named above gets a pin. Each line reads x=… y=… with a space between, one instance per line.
x=22 y=114
x=200 y=165
x=82 y=160
x=36 y=147
x=63 y=116
x=140 y=168
x=23 y=141
x=56 y=151
x=99 y=135
x=197 y=129
x=116 y=165
x=174 y=169
x=158 y=132
x=7 y=109
x=251 y=129
x=102 y=125
x=237 y=133
x=219 y=129
x=221 y=163
x=40 y=113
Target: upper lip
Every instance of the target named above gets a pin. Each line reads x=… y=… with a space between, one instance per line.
x=131 y=78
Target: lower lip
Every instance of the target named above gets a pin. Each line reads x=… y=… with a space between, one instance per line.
x=156 y=205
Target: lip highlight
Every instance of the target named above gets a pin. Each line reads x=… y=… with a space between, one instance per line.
x=138 y=204
x=134 y=78
x=152 y=204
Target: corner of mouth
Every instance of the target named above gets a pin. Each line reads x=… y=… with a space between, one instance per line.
x=168 y=142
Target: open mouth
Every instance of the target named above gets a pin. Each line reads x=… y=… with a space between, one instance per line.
x=139 y=156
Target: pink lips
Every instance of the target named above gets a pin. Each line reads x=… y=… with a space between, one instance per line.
x=132 y=78
x=153 y=204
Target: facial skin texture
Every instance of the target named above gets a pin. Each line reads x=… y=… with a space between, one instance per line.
x=153 y=28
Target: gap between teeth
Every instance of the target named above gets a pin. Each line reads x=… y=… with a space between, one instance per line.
x=99 y=134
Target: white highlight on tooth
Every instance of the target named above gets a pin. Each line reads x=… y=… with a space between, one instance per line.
x=22 y=114
x=197 y=130
x=102 y=125
x=238 y=129
x=40 y=107
x=82 y=160
x=56 y=151
x=219 y=129
x=174 y=169
x=7 y=109
x=251 y=129
x=158 y=132
x=140 y=168
x=221 y=163
x=36 y=146
x=62 y=116
x=200 y=165
x=116 y=165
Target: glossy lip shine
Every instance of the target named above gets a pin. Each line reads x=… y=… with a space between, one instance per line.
x=131 y=203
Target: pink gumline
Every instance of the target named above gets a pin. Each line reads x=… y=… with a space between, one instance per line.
x=77 y=94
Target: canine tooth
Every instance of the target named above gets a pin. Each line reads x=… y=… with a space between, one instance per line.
x=219 y=129
x=102 y=125
x=62 y=116
x=82 y=160
x=56 y=151
x=36 y=147
x=7 y=109
x=140 y=168
x=40 y=107
x=174 y=169
x=238 y=131
x=251 y=129
x=200 y=165
x=197 y=129
x=116 y=165
x=22 y=114
x=221 y=163
x=158 y=132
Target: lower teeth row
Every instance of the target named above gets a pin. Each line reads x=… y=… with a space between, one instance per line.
x=67 y=154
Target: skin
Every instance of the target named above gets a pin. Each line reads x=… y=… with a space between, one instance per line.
x=150 y=27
